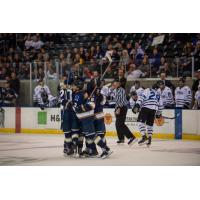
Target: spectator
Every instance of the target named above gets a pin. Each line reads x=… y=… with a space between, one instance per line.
x=40 y=74
x=28 y=42
x=165 y=81
x=139 y=53
x=155 y=61
x=37 y=43
x=144 y=67
x=3 y=73
x=165 y=68
x=8 y=95
x=125 y=59
x=121 y=78
x=135 y=73
x=15 y=83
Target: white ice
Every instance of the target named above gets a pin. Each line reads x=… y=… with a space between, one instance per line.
x=35 y=149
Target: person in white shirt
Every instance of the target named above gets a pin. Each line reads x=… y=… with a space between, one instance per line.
x=37 y=43
x=134 y=73
x=166 y=95
x=28 y=42
x=197 y=99
x=183 y=95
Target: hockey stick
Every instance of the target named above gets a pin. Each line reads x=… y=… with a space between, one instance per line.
x=165 y=117
x=110 y=62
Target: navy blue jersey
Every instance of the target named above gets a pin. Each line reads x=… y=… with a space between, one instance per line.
x=83 y=108
x=78 y=98
x=99 y=101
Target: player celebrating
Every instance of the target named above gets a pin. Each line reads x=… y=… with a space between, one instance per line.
x=183 y=95
x=99 y=125
x=84 y=110
x=166 y=95
x=66 y=118
x=149 y=105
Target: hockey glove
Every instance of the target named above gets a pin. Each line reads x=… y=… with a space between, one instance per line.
x=187 y=105
x=136 y=108
x=42 y=107
x=158 y=115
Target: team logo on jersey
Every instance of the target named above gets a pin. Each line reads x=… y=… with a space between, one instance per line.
x=108 y=118
x=160 y=121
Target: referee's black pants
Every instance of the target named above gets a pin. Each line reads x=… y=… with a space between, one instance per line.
x=122 y=129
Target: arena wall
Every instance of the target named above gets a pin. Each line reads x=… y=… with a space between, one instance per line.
x=34 y=120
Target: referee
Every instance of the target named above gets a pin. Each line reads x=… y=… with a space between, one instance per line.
x=120 y=113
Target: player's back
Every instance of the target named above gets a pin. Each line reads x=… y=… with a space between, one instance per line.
x=149 y=99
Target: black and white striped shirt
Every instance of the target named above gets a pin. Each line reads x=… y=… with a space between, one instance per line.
x=120 y=98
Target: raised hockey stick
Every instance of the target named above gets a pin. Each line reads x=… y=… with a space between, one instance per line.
x=110 y=62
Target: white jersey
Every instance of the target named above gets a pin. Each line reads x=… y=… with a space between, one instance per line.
x=183 y=96
x=37 y=96
x=150 y=99
x=110 y=94
x=105 y=91
x=197 y=98
x=167 y=96
x=139 y=92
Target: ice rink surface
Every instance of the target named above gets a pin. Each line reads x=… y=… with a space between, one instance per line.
x=43 y=150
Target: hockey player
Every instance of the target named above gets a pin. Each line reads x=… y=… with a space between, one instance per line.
x=99 y=125
x=197 y=99
x=8 y=96
x=85 y=112
x=66 y=118
x=77 y=99
x=149 y=105
x=166 y=95
x=139 y=91
x=183 y=95
x=42 y=96
x=109 y=92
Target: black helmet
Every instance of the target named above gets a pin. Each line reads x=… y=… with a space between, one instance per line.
x=79 y=84
x=160 y=83
x=133 y=93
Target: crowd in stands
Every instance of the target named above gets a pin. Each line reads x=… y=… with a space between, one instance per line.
x=83 y=53
x=133 y=55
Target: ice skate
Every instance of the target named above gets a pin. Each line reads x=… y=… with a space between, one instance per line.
x=106 y=154
x=132 y=141
x=149 y=141
x=143 y=140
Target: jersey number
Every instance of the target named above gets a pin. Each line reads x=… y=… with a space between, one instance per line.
x=153 y=95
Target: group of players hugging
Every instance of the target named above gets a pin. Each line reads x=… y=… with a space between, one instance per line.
x=83 y=120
